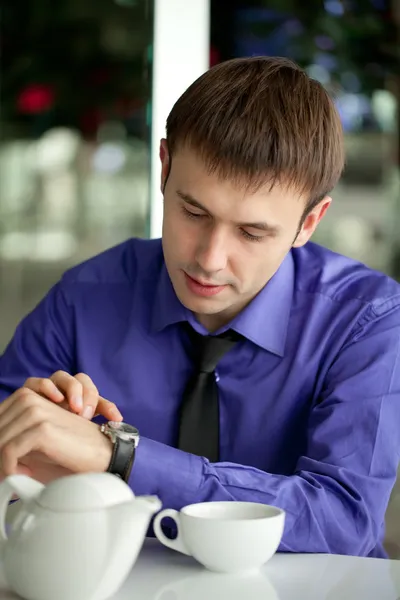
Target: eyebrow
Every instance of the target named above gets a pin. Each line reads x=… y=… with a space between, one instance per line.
x=262 y=226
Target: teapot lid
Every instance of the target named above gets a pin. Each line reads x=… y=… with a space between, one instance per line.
x=85 y=491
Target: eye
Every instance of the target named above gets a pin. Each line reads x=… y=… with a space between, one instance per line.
x=191 y=215
x=251 y=238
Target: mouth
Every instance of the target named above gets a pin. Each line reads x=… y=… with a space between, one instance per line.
x=201 y=288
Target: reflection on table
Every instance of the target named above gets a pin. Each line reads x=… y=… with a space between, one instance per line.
x=162 y=574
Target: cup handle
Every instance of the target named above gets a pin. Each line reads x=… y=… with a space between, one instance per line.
x=176 y=544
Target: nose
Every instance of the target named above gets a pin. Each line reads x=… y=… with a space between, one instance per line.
x=212 y=255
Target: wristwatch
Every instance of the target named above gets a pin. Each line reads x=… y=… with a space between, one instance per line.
x=125 y=439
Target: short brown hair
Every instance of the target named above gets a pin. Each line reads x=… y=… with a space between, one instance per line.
x=260 y=120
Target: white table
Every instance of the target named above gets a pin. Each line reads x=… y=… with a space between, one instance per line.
x=162 y=574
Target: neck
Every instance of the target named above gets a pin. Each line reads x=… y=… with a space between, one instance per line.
x=215 y=321
x=211 y=322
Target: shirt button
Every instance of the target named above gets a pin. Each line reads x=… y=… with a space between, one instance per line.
x=216 y=376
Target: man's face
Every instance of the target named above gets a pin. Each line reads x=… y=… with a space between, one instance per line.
x=222 y=243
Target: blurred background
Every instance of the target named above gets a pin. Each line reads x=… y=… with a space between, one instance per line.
x=86 y=86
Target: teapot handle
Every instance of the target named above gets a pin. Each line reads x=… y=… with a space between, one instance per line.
x=24 y=487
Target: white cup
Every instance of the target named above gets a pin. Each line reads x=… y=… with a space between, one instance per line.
x=227 y=537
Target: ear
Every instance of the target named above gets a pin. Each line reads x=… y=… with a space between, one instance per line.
x=311 y=222
x=165 y=164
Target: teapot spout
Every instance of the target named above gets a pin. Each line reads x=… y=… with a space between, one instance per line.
x=150 y=505
x=130 y=520
x=128 y=524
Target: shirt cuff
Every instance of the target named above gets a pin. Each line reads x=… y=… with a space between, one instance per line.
x=171 y=474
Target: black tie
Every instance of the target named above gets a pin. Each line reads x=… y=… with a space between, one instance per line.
x=199 y=413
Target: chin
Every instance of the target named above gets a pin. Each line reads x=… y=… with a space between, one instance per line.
x=202 y=306
x=199 y=305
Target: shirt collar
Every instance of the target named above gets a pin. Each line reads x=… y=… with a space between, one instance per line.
x=167 y=308
x=264 y=321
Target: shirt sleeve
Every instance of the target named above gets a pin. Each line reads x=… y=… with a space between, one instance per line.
x=42 y=344
x=336 y=499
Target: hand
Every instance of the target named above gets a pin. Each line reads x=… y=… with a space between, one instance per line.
x=78 y=394
x=39 y=467
x=38 y=438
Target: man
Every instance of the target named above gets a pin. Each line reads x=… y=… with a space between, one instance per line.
x=297 y=404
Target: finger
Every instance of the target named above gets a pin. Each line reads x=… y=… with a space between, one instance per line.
x=94 y=403
x=108 y=410
x=27 y=441
x=90 y=395
x=45 y=387
x=71 y=388
x=5 y=405
x=25 y=399
x=29 y=412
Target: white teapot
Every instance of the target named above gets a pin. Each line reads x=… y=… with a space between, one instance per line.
x=75 y=539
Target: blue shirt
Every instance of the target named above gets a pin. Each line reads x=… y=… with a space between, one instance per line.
x=309 y=401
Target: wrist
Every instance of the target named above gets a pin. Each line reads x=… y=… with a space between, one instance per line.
x=124 y=439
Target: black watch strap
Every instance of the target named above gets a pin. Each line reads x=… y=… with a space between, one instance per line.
x=122 y=458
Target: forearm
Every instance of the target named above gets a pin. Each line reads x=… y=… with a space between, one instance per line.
x=323 y=514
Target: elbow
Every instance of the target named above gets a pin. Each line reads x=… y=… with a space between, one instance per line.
x=332 y=529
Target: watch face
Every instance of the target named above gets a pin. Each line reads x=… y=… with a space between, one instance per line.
x=123 y=430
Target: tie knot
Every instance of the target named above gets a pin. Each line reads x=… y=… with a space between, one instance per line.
x=211 y=348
